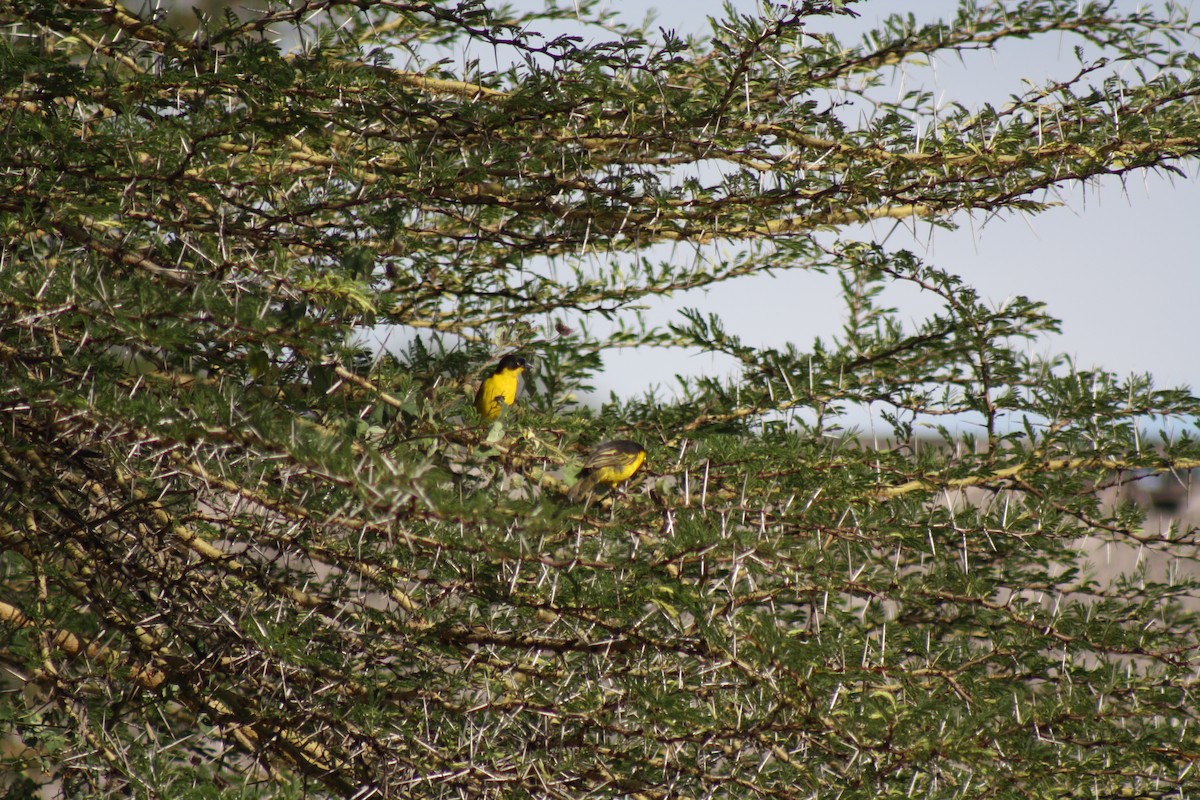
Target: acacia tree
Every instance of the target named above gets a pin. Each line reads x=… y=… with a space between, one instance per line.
x=249 y=552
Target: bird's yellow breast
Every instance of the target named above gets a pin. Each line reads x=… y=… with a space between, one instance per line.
x=497 y=390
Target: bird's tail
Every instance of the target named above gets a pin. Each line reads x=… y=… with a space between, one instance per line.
x=581 y=488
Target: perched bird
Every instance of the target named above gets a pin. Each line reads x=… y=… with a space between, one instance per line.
x=609 y=463
x=499 y=389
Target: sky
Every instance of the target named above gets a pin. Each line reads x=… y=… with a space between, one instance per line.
x=1119 y=264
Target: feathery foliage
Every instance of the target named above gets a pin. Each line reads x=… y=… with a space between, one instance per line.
x=247 y=552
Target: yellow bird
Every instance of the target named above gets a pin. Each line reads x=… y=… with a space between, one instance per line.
x=499 y=389
x=609 y=463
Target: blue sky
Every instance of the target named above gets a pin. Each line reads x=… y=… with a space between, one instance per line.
x=1118 y=264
